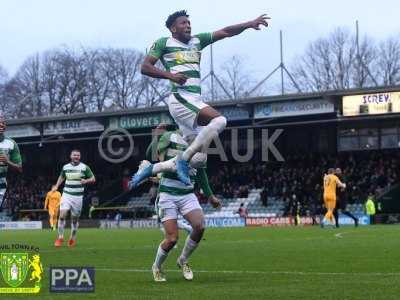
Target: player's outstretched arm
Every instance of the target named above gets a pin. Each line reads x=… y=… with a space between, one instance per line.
x=149 y=69
x=239 y=28
x=60 y=180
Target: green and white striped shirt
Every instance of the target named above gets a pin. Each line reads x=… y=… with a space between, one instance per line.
x=178 y=57
x=73 y=175
x=170 y=145
x=9 y=148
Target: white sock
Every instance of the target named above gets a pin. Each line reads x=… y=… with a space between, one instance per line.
x=161 y=256
x=190 y=246
x=164 y=166
x=61 y=225
x=74 y=229
x=205 y=136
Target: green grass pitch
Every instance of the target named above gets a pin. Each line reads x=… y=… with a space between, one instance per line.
x=232 y=263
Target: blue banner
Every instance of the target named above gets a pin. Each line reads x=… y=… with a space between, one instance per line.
x=345 y=220
x=225 y=222
x=233 y=113
x=362 y=220
x=293 y=108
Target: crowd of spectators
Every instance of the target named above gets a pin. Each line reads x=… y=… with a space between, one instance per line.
x=299 y=177
x=25 y=192
x=28 y=191
x=297 y=180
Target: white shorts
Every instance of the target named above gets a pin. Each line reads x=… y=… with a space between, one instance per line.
x=168 y=206
x=184 y=108
x=72 y=203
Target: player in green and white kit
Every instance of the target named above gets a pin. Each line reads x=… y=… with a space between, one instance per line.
x=10 y=157
x=76 y=175
x=177 y=198
x=180 y=55
x=152 y=155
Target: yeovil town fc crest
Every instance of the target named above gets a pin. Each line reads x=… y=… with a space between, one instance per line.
x=15 y=268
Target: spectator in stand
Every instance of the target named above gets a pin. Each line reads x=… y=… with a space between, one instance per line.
x=243 y=192
x=118 y=218
x=125 y=180
x=264 y=197
x=242 y=211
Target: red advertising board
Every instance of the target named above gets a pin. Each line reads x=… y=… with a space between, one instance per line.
x=276 y=221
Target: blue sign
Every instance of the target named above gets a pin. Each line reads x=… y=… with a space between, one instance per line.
x=72 y=280
x=225 y=222
x=345 y=220
x=293 y=108
x=233 y=113
x=362 y=220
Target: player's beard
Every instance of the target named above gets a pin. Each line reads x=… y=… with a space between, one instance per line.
x=1 y=136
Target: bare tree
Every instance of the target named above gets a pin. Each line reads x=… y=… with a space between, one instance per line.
x=50 y=78
x=343 y=55
x=5 y=107
x=235 y=78
x=363 y=67
x=156 y=91
x=71 y=85
x=389 y=61
x=98 y=83
x=213 y=91
x=233 y=81
x=3 y=75
x=123 y=71
x=27 y=87
x=18 y=103
x=329 y=63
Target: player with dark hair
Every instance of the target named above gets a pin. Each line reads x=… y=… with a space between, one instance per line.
x=174 y=198
x=180 y=54
x=341 y=202
x=10 y=157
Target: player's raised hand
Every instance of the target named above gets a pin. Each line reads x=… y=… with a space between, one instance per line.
x=214 y=201
x=261 y=20
x=178 y=78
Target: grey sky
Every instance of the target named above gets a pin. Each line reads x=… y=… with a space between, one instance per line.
x=30 y=26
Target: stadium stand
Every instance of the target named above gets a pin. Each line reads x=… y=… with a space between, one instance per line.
x=283 y=183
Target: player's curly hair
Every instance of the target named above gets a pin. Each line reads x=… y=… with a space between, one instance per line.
x=172 y=18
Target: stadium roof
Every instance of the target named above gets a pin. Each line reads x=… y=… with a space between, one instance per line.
x=238 y=102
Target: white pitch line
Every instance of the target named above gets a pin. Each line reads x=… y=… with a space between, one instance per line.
x=154 y=246
x=258 y=272
x=339 y=235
